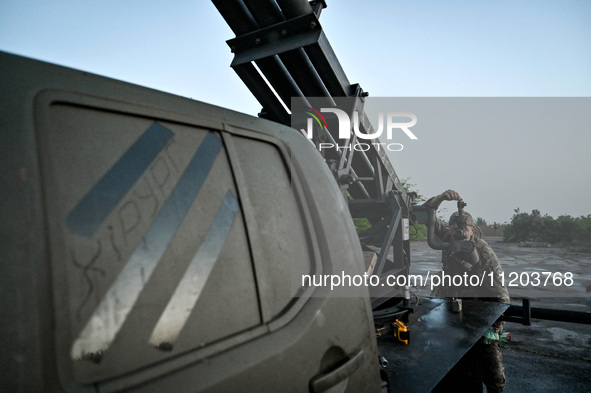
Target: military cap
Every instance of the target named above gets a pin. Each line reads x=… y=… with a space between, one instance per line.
x=466 y=218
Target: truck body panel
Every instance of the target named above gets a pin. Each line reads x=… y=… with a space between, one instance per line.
x=152 y=242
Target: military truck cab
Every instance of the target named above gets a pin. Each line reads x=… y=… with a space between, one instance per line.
x=154 y=243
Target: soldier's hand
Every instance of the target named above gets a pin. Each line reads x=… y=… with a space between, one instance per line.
x=450 y=195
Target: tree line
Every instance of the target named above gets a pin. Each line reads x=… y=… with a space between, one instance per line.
x=564 y=230
x=534 y=227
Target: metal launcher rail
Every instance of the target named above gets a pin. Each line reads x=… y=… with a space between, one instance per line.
x=282 y=53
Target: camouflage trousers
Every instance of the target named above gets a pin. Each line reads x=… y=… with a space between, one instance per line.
x=482 y=364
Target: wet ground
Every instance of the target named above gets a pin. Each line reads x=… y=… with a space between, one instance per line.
x=547 y=356
x=531 y=270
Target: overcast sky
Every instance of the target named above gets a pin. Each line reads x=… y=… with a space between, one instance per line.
x=392 y=49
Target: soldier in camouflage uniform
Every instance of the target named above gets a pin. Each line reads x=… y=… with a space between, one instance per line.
x=483 y=363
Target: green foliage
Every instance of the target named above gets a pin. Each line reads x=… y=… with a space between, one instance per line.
x=564 y=230
x=481 y=222
x=361 y=224
x=410 y=187
x=418 y=232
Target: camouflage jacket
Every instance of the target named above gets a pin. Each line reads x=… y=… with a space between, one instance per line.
x=488 y=270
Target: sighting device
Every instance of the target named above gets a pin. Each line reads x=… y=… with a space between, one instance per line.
x=459 y=232
x=464 y=250
x=461 y=248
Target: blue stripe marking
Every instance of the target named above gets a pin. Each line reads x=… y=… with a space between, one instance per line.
x=120 y=298
x=173 y=211
x=100 y=201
